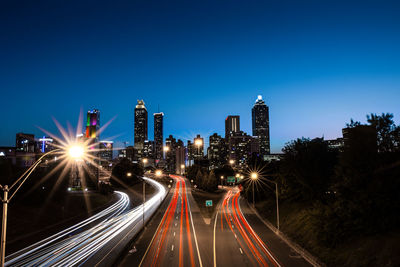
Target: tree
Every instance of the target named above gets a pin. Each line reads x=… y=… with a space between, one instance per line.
x=211 y=183
x=307 y=168
x=125 y=173
x=387 y=132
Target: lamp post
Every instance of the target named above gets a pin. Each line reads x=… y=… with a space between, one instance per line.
x=198 y=143
x=254 y=177
x=74 y=152
x=182 y=169
x=277 y=201
x=222 y=180
x=144 y=199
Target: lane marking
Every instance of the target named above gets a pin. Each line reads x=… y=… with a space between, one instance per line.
x=174 y=233
x=172 y=248
x=155 y=234
x=194 y=233
x=256 y=236
x=215 y=254
x=241 y=251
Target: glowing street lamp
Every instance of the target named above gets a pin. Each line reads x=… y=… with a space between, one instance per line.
x=254 y=177
x=129 y=174
x=158 y=173
x=144 y=160
x=182 y=169
x=231 y=161
x=198 y=142
x=74 y=152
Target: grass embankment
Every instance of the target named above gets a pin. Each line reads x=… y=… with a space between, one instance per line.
x=376 y=250
x=201 y=196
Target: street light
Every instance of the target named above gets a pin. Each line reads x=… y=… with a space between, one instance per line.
x=129 y=174
x=145 y=160
x=254 y=177
x=182 y=169
x=222 y=179
x=75 y=152
x=198 y=142
x=231 y=161
x=158 y=173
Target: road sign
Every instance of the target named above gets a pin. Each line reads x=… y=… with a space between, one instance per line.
x=208 y=203
x=231 y=179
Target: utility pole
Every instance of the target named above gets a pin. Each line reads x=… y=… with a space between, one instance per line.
x=4 y=225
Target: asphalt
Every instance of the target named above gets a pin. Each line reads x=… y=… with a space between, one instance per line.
x=175 y=236
x=236 y=234
x=242 y=239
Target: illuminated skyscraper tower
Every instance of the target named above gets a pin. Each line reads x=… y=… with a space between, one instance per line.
x=158 y=134
x=232 y=125
x=140 y=124
x=260 y=117
x=93 y=125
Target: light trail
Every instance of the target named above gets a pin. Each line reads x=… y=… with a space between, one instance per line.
x=164 y=234
x=233 y=216
x=78 y=243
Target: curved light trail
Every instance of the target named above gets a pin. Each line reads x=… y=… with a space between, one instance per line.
x=249 y=242
x=174 y=233
x=75 y=245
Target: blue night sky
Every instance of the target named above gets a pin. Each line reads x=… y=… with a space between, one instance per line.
x=316 y=63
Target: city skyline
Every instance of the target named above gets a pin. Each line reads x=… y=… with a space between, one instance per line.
x=194 y=61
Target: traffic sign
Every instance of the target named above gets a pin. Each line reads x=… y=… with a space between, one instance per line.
x=208 y=203
x=231 y=179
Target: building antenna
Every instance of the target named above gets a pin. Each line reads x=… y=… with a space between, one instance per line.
x=158 y=108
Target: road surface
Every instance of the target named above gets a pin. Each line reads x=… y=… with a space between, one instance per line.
x=178 y=236
x=241 y=239
x=90 y=241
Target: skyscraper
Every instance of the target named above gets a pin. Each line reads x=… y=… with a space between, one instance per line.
x=217 y=151
x=232 y=125
x=158 y=135
x=93 y=125
x=260 y=118
x=198 y=147
x=140 y=124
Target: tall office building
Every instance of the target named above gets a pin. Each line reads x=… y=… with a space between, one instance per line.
x=106 y=151
x=170 y=154
x=198 y=147
x=158 y=135
x=140 y=124
x=217 y=151
x=25 y=142
x=260 y=118
x=241 y=147
x=232 y=125
x=93 y=125
x=180 y=157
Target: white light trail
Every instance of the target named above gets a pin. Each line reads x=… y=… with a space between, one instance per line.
x=75 y=245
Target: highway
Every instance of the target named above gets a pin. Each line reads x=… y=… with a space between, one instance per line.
x=241 y=239
x=90 y=241
x=172 y=238
x=178 y=236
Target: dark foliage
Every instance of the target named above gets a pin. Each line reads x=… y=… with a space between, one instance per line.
x=120 y=177
x=347 y=194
